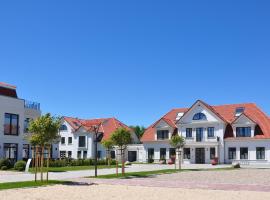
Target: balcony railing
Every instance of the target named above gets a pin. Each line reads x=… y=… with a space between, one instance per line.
x=32 y=105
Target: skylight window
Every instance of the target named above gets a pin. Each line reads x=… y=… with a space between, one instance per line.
x=239 y=111
x=179 y=115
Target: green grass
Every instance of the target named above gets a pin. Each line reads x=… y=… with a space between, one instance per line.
x=26 y=184
x=73 y=168
x=146 y=174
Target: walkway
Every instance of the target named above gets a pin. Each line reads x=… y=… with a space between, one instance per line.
x=9 y=176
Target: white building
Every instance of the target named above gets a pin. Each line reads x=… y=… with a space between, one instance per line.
x=77 y=138
x=233 y=133
x=15 y=114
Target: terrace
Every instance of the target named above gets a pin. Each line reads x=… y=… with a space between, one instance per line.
x=32 y=105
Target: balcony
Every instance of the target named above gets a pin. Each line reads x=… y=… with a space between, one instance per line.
x=32 y=105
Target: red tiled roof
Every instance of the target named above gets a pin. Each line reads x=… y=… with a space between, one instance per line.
x=107 y=125
x=6 y=85
x=225 y=112
x=170 y=118
x=8 y=90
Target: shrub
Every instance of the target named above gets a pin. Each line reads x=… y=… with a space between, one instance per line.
x=5 y=162
x=4 y=168
x=20 y=165
x=237 y=165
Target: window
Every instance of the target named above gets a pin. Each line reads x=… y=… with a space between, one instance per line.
x=79 y=155
x=26 y=151
x=69 y=140
x=62 y=154
x=63 y=127
x=162 y=153
x=212 y=153
x=81 y=141
x=188 y=132
x=239 y=111
x=199 y=116
x=210 y=132
x=26 y=124
x=11 y=126
x=162 y=134
x=172 y=152
x=112 y=154
x=243 y=131
x=150 y=155
x=244 y=153
x=69 y=154
x=63 y=140
x=11 y=151
x=199 y=134
x=186 y=153
x=260 y=153
x=232 y=153
x=85 y=154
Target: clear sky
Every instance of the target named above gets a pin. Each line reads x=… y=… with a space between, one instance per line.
x=135 y=60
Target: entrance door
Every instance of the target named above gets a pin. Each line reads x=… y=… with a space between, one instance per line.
x=132 y=156
x=200 y=156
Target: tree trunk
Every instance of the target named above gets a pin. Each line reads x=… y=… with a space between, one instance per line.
x=109 y=158
x=36 y=162
x=48 y=161
x=123 y=162
x=179 y=157
x=116 y=167
x=41 y=163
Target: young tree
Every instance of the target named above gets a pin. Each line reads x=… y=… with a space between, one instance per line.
x=139 y=130
x=178 y=142
x=121 y=138
x=108 y=145
x=43 y=133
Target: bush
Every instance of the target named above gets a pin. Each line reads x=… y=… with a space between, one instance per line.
x=4 y=168
x=5 y=162
x=20 y=165
x=236 y=166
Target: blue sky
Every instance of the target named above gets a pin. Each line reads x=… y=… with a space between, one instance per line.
x=135 y=60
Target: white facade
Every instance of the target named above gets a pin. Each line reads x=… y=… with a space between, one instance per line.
x=13 y=144
x=205 y=138
x=69 y=146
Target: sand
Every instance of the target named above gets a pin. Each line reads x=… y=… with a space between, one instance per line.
x=119 y=192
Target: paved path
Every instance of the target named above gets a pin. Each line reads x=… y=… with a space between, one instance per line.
x=178 y=184
x=8 y=176
x=233 y=180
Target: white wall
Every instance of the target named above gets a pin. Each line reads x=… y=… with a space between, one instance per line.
x=251 y=144
x=14 y=106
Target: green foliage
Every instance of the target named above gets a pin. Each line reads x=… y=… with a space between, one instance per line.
x=177 y=141
x=4 y=168
x=121 y=137
x=44 y=130
x=5 y=163
x=108 y=144
x=20 y=165
x=139 y=130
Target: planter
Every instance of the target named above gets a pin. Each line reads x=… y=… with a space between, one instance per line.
x=214 y=161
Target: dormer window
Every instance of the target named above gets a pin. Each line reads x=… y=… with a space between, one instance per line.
x=239 y=111
x=162 y=134
x=243 y=131
x=63 y=127
x=179 y=115
x=199 y=116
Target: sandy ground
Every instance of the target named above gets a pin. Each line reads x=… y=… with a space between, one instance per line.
x=119 y=192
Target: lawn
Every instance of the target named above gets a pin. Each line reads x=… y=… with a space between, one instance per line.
x=145 y=174
x=73 y=168
x=25 y=184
